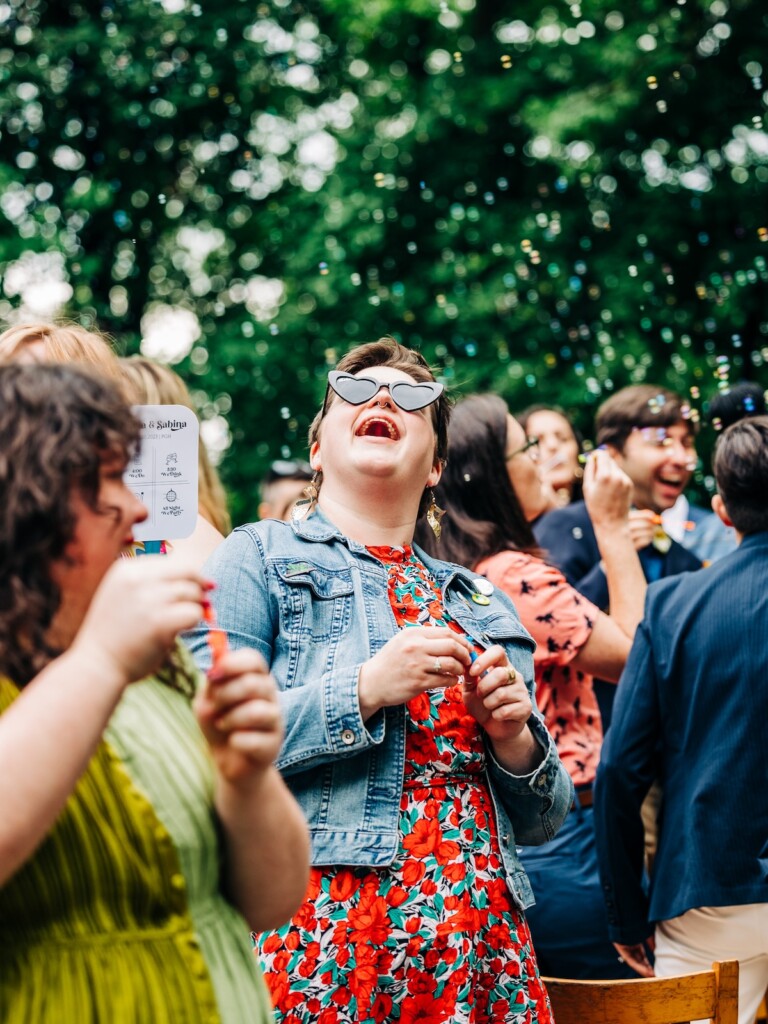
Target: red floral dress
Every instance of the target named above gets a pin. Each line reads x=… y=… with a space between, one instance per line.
x=434 y=937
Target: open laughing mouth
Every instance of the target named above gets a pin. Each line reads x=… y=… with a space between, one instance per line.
x=378 y=426
x=673 y=482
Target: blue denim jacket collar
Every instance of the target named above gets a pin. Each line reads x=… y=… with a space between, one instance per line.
x=317 y=527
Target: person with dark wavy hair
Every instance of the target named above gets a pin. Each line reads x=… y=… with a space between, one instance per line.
x=130 y=831
x=50 y=445
x=492 y=491
x=144 y=383
x=412 y=740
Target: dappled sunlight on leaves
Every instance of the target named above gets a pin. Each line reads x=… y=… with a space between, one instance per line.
x=549 y=201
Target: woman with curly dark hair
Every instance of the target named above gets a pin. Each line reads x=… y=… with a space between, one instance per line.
x=125 y=821
x=143 y=383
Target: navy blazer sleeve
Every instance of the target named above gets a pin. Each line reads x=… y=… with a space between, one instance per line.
x=624 y=776
x=569 y=542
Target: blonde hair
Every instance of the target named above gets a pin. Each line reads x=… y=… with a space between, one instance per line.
x=64 y=343
x=151 y=383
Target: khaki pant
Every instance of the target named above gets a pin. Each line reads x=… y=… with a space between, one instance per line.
x=694 y=940
x=650 y=816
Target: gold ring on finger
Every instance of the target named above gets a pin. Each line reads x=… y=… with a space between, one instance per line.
x=438 y=667
x=512 y=673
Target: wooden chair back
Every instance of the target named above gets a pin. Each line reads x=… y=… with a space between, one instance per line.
x=762 y=1013
x=708 y=995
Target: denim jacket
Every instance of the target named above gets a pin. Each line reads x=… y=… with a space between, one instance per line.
x=315 y=605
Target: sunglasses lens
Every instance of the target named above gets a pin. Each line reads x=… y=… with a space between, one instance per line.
x=411 y=397
x=354 y=390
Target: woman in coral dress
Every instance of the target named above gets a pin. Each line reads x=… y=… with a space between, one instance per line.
x=492 y=490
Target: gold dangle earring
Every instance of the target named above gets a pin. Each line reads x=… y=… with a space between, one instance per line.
x=304 y=506
x=434 y=515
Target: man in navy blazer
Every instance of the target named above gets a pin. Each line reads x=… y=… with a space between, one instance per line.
x=644 y=427
x=692 y=708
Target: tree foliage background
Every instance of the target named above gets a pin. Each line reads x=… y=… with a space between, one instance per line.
x=550 y=201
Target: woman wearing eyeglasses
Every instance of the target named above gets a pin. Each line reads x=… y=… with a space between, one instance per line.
x=492 y=491
x=412 y=741
x=558 y=450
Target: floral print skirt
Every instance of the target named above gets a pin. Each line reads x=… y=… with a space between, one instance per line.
x=433 y=938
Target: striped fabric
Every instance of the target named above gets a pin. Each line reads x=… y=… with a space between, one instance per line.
x=118 y=917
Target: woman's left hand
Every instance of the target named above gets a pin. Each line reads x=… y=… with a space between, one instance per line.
x=495 y=694
x=239 y=715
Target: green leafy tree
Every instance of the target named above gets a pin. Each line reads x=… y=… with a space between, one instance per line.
x=550 y=201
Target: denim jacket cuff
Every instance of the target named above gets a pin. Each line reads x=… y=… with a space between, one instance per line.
x=347 y=731
x=543 y=777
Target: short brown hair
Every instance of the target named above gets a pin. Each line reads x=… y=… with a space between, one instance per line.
x=740 y=466
x=388 y=352
x=640 y=405
x=58 y=424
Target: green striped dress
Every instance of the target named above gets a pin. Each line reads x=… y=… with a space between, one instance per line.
x=118 y=917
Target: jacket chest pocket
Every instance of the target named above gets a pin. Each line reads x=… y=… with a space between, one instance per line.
x=316 y=603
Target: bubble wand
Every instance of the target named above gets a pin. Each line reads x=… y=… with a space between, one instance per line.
x=217 y=638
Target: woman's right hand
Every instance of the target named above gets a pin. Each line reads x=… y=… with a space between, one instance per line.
x=136 y=614
x=417 y=659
